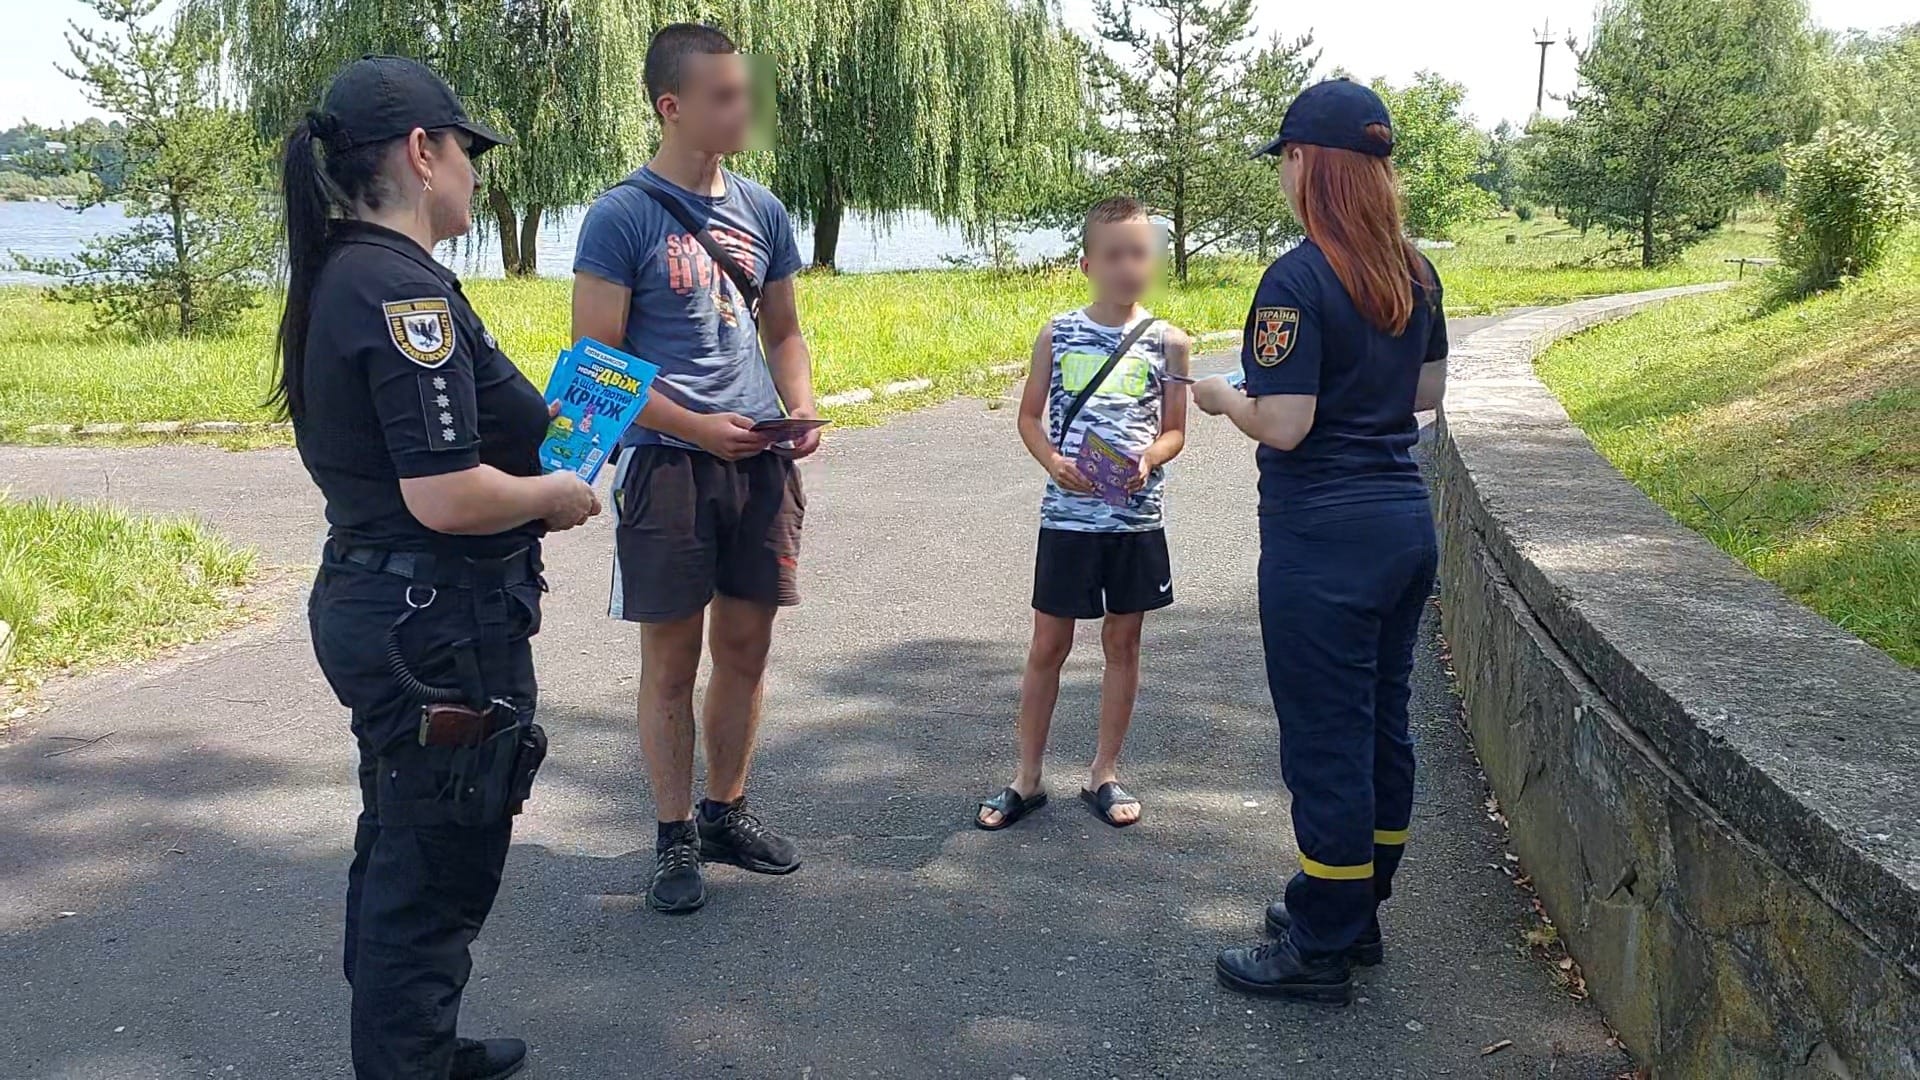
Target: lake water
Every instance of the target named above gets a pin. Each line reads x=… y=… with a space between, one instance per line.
x=910 y=242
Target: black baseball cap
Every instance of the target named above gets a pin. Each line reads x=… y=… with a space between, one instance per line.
x=1334 y=113
x=377 y=98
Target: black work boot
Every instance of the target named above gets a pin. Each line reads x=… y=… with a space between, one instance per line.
x=488 y=1059
x=738 y=837
x=678 y=886
x=1275 y=969
x=1366 y=950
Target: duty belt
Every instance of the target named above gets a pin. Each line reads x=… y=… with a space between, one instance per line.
x=477 y=584
x=448 y=571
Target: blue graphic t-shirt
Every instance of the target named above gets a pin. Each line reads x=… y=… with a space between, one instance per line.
x=686 y=315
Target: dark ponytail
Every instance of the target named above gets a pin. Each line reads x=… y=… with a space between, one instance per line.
x=319 y=181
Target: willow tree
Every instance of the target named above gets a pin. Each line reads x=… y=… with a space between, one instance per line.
x=968 y=109
x=560 y=76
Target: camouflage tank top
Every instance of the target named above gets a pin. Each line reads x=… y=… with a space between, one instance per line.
x=1125 y=411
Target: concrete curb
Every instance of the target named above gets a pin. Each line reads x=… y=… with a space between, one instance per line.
x=160 y=427
x=856 y=396
x=1711 y=786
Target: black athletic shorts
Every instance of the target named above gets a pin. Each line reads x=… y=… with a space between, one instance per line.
x=690 y=525
x=1088 y=575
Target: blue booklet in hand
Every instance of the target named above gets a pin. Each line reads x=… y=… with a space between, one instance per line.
x=600 y=390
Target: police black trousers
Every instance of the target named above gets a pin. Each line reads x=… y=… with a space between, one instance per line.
x=426 y=864
x=1342 y=589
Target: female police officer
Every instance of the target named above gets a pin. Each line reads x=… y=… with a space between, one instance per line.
x=423 y=437
x=1345 y=340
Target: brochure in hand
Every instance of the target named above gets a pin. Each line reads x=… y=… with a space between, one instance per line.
x=1235 y=379
x=1107 y=468
x=787 y=427
x=600 y=390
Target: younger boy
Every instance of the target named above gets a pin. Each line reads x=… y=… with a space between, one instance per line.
x=1098 y=559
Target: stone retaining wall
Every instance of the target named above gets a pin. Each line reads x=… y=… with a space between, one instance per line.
x=1716 y=791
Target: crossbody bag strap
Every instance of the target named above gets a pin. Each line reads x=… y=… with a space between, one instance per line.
x=1093 y=386
x=722 y=258
x=674 y=205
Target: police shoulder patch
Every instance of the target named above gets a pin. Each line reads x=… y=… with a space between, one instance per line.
x=1275 y=329
x=422 y=329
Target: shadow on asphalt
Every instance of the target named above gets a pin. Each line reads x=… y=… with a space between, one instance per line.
x=912 y=944
x=909 y=945
x=202 y=851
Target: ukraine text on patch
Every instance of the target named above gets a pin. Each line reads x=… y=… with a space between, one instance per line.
x=421 y=329
x=1275 y=329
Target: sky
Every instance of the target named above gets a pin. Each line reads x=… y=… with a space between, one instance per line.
x=1486 y=44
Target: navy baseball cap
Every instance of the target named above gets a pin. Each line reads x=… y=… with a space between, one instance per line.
x=377 y=98
x=1334 y=113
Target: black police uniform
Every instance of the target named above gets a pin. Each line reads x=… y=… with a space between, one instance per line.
x=402 y=380
x=1347 y=561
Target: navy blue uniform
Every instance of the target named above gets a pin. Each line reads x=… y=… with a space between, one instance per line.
x=402 y=380
x=1347 y=561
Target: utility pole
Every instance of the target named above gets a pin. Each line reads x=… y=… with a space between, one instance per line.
x=1542 y=37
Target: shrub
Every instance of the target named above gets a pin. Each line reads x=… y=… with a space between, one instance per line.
x=1523 y=210
x=1848 y=191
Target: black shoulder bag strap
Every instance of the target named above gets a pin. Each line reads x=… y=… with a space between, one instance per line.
x=1093 y=386
x=721 y=258
x=742 y=280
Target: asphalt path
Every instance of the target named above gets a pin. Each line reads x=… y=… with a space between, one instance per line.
x=170 y=896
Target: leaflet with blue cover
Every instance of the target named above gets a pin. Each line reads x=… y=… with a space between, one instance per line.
x=600 y=390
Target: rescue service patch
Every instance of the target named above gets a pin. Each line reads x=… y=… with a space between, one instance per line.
x=421 y=329
x=1274 y=332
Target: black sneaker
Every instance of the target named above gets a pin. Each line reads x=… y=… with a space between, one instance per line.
x=739 y=838
x=489 y=1059
x=1275 y=969
x=1367 y=950
x=678 y=886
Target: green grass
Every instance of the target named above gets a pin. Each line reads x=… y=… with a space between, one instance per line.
x=948 y=326
x=867 y=329
x=83 y=585
x=1790 y=438
x=1551 y=263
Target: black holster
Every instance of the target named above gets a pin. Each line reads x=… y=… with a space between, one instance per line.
x=484 y=781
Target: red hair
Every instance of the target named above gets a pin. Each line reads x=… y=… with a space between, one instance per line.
x=1350 y=207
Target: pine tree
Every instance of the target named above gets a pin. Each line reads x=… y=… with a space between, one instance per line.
x=1676 y=118
x=1185 y=102
x=186 y=170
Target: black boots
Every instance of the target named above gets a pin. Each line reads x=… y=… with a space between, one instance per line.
x=1274 y=969
x=1367 y=951
x=488 y=1059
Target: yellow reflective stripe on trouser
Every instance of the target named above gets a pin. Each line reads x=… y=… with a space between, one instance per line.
x=1318 y=869
x=1390 y=837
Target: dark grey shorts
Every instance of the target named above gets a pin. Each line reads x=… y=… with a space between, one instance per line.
x=690 y=526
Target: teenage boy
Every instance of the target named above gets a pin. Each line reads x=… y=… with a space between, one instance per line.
x=1098 y=559
x=707 y=536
